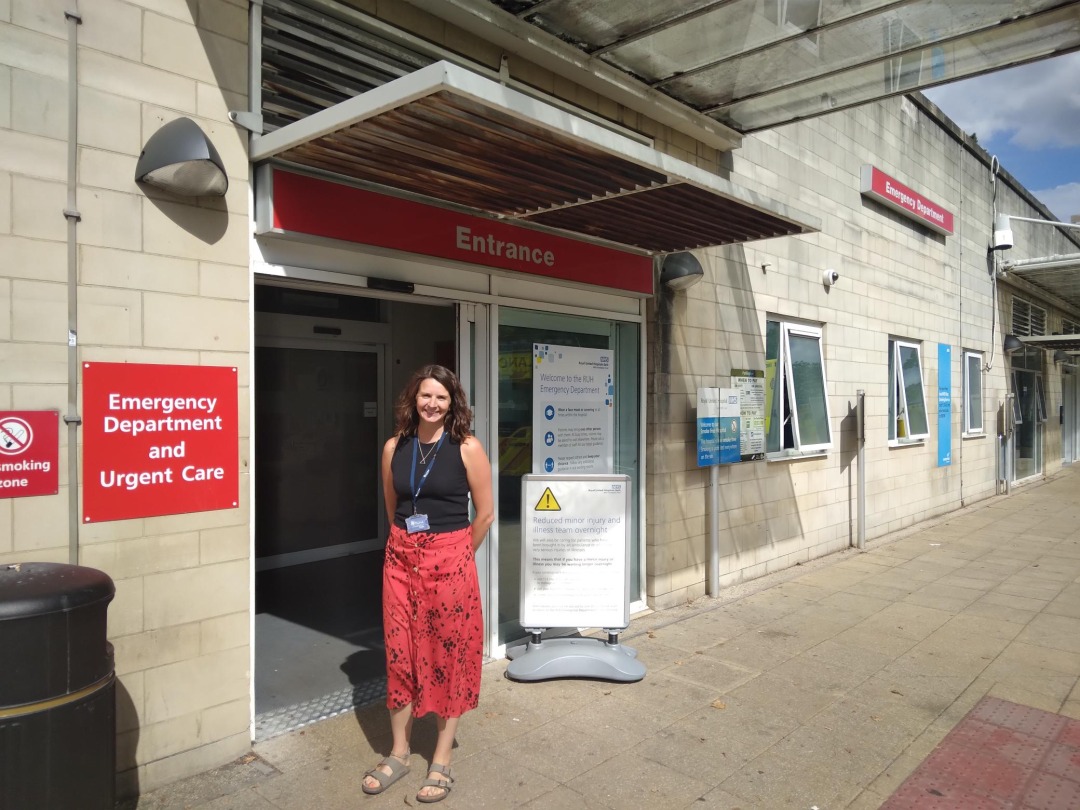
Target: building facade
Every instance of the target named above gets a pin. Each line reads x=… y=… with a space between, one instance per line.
x=320 y=286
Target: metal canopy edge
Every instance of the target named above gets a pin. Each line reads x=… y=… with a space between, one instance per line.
x=1058 y=275
x=558 y=169
x=1065 y=343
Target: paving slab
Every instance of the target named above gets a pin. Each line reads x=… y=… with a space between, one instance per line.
x=830 y=684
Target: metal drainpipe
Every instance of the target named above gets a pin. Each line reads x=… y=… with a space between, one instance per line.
x=860 y=431
x=71 y=213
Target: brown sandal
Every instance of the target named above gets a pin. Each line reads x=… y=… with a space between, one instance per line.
x=441 y=784
x=399 y=766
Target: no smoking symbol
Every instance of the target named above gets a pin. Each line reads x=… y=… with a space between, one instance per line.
x=15 y=435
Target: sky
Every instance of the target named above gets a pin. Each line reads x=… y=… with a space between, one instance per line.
x=1029 y=117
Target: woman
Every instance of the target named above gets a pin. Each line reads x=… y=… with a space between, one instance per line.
x=432 y=619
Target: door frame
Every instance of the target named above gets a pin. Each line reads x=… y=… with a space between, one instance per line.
x=479 y=291
x=1070 y=417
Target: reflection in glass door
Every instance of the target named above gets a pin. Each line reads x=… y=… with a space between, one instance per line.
x=1030 y=413
x=317 y=448
x=1070 y=417
x=518 y=331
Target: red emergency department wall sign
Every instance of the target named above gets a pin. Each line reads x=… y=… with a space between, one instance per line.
x=29 y=453
x=889 y=191
x=158 y=440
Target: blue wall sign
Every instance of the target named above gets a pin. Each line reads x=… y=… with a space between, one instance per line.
x=944 y=405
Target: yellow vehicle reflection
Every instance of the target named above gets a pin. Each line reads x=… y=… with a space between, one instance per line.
x=515 y=452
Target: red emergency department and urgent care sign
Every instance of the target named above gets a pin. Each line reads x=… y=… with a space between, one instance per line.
x=29 y=452
x=158 y=440
x=317 y=207
x=889 y=191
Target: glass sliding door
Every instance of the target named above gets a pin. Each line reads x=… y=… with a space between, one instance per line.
x=517 y=332
x=1030 y=411
x=317 y=447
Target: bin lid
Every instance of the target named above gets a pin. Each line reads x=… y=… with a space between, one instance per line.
x=35 y=589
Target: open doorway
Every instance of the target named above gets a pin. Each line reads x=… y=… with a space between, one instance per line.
x=327 y=369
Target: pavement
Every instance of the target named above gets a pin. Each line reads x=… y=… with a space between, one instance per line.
x=915 y=673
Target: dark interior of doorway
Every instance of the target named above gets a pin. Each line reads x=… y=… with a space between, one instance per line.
x=318 y=624
x=321 y=633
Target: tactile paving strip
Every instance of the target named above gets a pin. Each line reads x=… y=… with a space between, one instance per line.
x=1001 y=756
x=291 y=718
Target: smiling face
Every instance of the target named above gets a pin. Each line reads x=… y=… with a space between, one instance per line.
x=432 y=402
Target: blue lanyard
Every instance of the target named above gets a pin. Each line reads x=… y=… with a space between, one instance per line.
x=412 y=474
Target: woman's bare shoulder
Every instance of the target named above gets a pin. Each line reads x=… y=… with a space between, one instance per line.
x=471 y=445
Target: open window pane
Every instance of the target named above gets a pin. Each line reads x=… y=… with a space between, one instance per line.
x=1040 y=400
x=912 y=386
x=796 y=402
x=808 y=384
x=1018 y=396
x=973 y=407
x=892 y=391
x=773 y=393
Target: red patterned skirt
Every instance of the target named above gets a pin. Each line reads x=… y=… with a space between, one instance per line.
x=432 y=622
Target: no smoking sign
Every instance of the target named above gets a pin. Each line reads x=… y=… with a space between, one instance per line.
x=29 y=453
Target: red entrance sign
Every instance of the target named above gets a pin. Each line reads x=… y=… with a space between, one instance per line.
x=889 y=191
x=158 y=440
x=29 y=453
x=317 y=207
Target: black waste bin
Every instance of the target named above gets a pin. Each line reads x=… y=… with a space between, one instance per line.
x=57 y=689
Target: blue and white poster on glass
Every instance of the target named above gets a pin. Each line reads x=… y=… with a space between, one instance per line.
x=573 y=409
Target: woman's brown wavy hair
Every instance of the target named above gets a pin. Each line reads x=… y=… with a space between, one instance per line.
x=459 y=417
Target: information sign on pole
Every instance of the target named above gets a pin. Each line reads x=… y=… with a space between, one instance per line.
x=575 y=551
x=750 y=383
x=573 y=409
x=708 y=437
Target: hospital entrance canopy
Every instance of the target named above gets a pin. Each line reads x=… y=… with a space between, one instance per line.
x=339 y=97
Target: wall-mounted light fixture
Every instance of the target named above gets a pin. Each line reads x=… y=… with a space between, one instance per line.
x=1003 y=234
x=180 y=159
x=1012 y=344
x=1060 y=357
x=681 y=270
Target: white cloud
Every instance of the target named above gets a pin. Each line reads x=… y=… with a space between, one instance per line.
x=1063 y=200
x=1036 y=105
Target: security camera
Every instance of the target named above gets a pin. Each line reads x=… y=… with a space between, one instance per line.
x=830 y=277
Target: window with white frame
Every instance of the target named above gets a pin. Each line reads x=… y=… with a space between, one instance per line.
x=797 y=402
x=973 y=397
x=1069 y=327
x=907 y=396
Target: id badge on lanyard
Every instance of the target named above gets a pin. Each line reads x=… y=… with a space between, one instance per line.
x=419 y=522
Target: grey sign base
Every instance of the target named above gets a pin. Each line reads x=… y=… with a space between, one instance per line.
x=574 y=658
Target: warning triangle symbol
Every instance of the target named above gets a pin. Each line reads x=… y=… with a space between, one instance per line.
x=547 y=502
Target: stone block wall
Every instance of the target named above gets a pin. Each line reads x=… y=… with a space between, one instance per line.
x=161 y=280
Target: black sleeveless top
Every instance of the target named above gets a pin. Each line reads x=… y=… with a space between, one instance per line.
x=444 y=497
